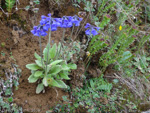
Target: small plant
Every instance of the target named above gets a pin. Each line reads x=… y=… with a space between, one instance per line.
x=2 y=53
x=141 y=62
x=36 y=1
x=97 y=43
x=94 y=90
x=53 y=66
x=96 y=9
x=32 y=6
x=6 y=90
x=51 y=73
x=9 y=5
x=117 y=50
x=3 y=44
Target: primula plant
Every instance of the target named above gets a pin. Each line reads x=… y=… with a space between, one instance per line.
x=51 y=66
x=52 y=72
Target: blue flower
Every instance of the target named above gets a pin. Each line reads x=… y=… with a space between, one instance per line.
x=65 y=22
x=34 y=30
x=75 y=20
x=54 y=25
x=47 y=22
x=43 y=17
x=87 y=25
x=91 y=30
x=38 y=31
x=46 y=26
x=59 y=21
x=43 y=21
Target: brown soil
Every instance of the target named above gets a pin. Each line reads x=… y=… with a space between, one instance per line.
x=16 y=36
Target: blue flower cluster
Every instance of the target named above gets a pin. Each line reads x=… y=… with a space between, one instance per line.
x=47 y=23
x=91 y=29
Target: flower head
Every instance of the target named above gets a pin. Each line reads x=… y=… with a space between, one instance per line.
x=47 y=22
x=65 y=22
x=76 y=20
x=38 y=31
x=120 y=27
x=91 y=30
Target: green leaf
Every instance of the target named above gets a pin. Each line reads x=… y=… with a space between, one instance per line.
x=9 y=4
x=72 y=66
x=126 y=55
x=54 y=83
x=61 y=84
x=148 y=58
x=65 y=98
x=39 y=88
x=76 y=105
x=49 y=76
x=6 y=106
x=44 y=81
x=53 y=51
x=59 y=47
x=36 y=1
x=32 y=66
x=56 y=62
x=65 y=66
x=10 y=99
x=115 y=81
x=39 y=63
x=32 y=79
x=97 y=23
x=38 y=73
x=45 y=52
x=57 y=77
x=8 y=91
x=27 y=7
x=55 y=69
x=92 y=84
x=48 y=68
x=64 y=75
x=37 y=56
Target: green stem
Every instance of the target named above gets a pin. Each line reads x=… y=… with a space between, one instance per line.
x=48 y=44
x=61 y=44
x=99 y=9
x=70 y=40
x=72 y=32
x=41 y=50
x=86 y=66
x=63 y=35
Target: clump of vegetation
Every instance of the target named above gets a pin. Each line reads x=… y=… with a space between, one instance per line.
x=10 y=5
x=116 y=40
x=51 y=69
x=95 y=91
x=121 y=45
x=6 y=87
